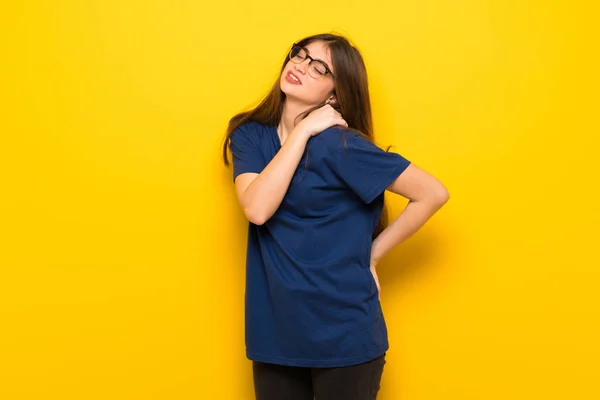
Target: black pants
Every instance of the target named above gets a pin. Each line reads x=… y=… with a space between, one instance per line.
x=284 y=382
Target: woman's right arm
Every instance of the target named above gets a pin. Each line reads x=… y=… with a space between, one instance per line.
x=261 y=194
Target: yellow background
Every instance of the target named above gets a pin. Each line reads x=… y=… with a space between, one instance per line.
x=122 y=249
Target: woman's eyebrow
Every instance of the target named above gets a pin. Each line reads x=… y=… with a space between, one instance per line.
x=316 y=59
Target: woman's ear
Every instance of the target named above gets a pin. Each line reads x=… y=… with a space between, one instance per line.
x=332 y=99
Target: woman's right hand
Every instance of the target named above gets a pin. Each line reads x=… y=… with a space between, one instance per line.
x=320 y=119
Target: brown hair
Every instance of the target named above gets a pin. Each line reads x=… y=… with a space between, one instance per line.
x=350 y=88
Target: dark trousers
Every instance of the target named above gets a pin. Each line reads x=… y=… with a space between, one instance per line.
x=284 y=382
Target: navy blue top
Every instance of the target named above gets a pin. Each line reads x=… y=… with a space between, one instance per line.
x=311 y=299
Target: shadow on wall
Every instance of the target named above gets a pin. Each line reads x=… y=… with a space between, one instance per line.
x=416 y=260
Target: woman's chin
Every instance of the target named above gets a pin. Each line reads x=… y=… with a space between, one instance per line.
x=287 y=87
x=291 y=93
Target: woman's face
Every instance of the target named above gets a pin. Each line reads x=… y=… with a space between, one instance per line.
x=306 y=88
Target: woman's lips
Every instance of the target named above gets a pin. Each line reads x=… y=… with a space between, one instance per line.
x=290 y=78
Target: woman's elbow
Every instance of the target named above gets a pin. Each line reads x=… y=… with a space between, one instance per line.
x=255 y=216
x=439 y=196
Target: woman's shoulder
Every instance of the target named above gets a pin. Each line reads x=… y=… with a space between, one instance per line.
x=250 y=126
x=252 y=130
x=338 y=137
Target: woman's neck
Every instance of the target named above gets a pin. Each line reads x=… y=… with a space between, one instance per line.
x=291 y=109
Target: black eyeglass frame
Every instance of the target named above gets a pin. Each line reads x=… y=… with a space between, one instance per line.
x=327 y=70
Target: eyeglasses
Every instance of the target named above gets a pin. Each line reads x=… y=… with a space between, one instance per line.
x=316 y=68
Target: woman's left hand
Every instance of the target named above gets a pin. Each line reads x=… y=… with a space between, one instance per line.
x=374 y=273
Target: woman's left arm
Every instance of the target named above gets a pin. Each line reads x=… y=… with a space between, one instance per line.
x=426 y=196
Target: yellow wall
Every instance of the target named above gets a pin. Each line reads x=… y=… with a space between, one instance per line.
x=122 y=249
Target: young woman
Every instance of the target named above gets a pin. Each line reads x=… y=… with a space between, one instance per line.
x=311 y=182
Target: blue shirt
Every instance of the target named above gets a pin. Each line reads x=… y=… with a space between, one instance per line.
x=311 y=299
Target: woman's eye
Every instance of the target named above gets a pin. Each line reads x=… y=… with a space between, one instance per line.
x=319 y=71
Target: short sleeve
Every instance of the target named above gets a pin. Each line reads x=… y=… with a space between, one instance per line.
x=245 y=151
x=365 y=168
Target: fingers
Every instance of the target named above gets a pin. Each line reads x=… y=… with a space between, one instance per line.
x=337 y=117
x=340 y=120
x=336 y=113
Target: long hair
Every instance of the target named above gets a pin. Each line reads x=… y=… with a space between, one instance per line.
x=350 y=88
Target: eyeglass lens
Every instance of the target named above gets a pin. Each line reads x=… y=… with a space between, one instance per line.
x=315 y=68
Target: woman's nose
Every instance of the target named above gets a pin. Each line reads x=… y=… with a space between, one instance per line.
x=302 y=67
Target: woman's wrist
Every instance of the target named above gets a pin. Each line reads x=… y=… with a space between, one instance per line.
x=375 y=256
x=301 y=132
